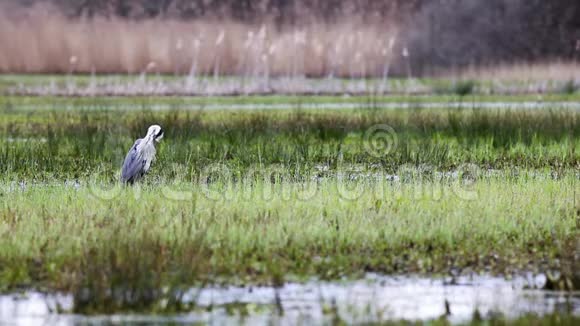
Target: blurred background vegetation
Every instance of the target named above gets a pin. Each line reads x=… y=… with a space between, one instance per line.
x=434 y=35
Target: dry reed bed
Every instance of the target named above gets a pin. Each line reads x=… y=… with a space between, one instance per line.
x=546 y=71
x=269 y=58
x=50 y=43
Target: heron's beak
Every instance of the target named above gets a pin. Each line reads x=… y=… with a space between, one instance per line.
x=159 y=137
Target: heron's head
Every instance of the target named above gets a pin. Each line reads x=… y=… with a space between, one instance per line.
x=155 y=132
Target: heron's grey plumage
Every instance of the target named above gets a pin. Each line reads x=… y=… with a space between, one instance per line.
x=133 y=167
x=141 y=155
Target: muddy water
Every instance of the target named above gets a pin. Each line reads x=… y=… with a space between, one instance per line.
x=374 y=298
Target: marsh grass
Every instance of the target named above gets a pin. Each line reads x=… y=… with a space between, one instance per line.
x=465 y=87
x=129 y=250
x=75 y=144
x=270 y=196
x=570 y=87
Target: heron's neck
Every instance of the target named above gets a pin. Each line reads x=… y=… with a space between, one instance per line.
x=150 y=140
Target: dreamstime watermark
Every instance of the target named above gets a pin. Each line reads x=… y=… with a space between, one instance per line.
x=349 y=182
x=380 y=140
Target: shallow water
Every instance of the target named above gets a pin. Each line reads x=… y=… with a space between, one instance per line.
x=529 y=105
x=373 y=298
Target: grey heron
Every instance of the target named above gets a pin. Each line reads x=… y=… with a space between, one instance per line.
x=142 y=153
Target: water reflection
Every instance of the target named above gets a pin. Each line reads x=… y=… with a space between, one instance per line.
x=374 y=298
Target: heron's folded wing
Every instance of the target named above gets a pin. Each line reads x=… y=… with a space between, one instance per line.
x=134 y=162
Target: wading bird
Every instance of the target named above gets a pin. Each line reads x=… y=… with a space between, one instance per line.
x=138 y=160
